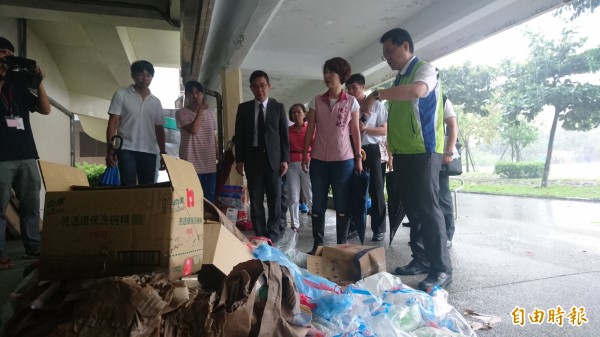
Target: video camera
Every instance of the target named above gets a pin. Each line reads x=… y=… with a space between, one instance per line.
x=22 y=70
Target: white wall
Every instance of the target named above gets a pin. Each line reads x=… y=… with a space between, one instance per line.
x=52 y=132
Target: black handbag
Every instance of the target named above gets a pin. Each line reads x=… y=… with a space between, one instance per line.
x=455 y=167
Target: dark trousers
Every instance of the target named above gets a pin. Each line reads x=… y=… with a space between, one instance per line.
x=446 y=205
x=417 y=176
x=264 y=180
x=377 y=210
x=136 y=167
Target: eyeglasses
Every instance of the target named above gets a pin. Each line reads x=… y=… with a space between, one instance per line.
x=259 y=86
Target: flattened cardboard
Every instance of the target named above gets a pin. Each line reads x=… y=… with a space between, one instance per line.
x=345 y=264
x=222 y=251
x=121 y=231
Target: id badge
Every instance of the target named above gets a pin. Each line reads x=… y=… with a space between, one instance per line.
x=15 y=122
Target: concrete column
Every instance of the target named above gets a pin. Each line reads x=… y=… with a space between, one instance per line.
x=232 y=97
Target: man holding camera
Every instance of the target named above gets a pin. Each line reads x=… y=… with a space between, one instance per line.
x=18 y=154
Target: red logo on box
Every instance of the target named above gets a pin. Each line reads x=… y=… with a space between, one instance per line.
x=187 y=266
x=190 y=197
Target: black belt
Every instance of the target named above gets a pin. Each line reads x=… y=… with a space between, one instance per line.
x=370 y=145
x=257 y=149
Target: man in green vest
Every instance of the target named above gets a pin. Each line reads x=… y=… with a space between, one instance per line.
x=416 y=140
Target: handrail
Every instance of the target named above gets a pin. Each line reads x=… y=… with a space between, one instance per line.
x=454 y=191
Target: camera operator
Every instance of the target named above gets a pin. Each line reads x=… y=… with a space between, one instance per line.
x=18 y=155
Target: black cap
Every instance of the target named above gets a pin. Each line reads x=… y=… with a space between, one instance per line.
x=5 y=44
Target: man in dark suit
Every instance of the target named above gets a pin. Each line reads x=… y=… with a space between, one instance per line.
x=262 y=149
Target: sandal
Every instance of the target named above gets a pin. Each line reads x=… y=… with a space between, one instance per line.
x=6 y=265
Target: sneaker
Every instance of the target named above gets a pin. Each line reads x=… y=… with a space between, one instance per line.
x=303 y=208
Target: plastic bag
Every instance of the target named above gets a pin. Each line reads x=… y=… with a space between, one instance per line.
x=110 y=177
x=312 y=286
x=287 y=245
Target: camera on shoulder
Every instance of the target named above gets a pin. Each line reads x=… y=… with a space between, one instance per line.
x=22 y=70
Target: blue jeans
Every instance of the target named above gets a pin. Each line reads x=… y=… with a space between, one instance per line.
x=136 y=167
x=23 y=176
x=336 y=174
x=209 y=185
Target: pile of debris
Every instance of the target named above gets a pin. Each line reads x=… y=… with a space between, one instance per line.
x=156 y=261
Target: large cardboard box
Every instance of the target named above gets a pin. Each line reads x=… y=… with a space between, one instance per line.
x=344 y=264
x=97 y=232
x=222 y=251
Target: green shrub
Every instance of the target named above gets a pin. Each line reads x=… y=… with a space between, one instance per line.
x=519 y=170
x=92 y=171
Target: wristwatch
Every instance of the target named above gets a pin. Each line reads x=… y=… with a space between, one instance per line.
x=376 y=94
x=449 y=153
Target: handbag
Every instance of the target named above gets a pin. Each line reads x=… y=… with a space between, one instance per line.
x=454 y=168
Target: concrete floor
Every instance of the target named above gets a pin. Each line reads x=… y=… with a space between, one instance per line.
x=507 y=252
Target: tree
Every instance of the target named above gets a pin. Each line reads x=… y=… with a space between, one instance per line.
x=577 y=8
x=517 y=135
x=470 y=86
x=474 y=129
x=548 y=78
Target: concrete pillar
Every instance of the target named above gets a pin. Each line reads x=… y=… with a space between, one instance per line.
x=232 y=97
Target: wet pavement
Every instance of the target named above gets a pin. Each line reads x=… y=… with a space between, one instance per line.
x=508 y=252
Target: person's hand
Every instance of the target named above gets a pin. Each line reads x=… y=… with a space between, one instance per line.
x=239 y=167
x=305 y=162
x=111 y=158
x=362 y=127
x=358 y=164
x=39 y=72
x=284 y=168
x=390 y=163
x=162 y=166
x=446 y=159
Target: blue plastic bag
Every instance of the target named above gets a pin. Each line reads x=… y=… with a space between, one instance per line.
x=111 y=177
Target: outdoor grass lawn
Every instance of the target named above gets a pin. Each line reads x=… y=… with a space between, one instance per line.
x=564 y=188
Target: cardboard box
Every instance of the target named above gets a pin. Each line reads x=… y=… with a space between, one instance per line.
x=344 y=264
x=222 y=251
x=106 y=231
x=213 y=213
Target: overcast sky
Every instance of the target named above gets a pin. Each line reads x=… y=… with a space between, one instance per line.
x=512 y=43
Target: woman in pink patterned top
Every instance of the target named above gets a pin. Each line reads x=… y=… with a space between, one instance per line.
x=198 y=145
x=332 y=118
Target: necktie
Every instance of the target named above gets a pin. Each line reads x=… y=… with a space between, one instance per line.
x=261 y=127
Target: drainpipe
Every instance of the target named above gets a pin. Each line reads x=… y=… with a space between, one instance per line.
x=220 y=130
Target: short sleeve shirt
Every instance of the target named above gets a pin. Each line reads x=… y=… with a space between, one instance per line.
x=198 y=148
x=378 y=117
x=138 y=119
